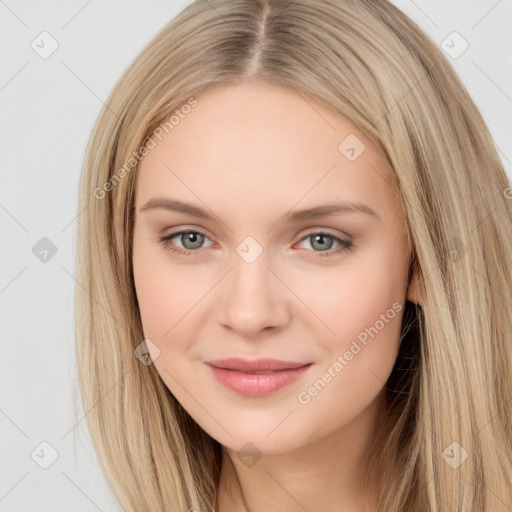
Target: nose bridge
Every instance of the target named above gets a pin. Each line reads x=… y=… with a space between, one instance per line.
x=254 y=298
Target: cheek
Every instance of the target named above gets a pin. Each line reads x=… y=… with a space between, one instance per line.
x=353 y=296
x=364 y=307
x=362 y=304
x=164 y=297
x=160 y=294
x=170 y=298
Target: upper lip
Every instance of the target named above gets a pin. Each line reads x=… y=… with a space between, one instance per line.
x=255 y=365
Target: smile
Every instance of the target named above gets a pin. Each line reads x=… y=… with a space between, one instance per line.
x=251 y=378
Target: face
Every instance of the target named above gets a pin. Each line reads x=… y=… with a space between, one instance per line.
x=249 y=279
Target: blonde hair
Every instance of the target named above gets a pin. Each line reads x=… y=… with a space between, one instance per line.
x=452 y=380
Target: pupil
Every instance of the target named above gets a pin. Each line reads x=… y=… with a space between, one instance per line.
x=192 y=238
x=321 y=241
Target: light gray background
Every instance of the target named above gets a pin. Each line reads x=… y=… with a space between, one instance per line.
x=49 y=106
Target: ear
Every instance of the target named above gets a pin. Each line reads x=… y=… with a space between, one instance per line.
x=413 y=291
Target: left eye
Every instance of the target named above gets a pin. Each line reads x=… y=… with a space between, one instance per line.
x=318 y=240
x=193 y=240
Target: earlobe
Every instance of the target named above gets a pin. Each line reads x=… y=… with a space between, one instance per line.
x=413 y=291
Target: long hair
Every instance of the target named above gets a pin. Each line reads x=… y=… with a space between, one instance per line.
x=445 y=441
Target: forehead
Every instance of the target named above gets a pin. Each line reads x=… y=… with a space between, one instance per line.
x=264 y=145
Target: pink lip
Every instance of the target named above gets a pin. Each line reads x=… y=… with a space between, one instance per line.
x=236 y=374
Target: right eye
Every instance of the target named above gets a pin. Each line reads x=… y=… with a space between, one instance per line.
x=193 y=239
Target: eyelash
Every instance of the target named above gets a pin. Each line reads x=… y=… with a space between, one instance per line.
x=346 y=245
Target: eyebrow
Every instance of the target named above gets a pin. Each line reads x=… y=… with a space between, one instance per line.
x=293 y=216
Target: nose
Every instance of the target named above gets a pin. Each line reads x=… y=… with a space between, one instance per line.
x=254 y=298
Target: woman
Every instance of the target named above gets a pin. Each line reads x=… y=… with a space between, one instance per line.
x=229 y=361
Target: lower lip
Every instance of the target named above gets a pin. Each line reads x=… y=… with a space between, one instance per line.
x=257 y=384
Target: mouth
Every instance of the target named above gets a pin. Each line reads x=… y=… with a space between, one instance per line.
x=264 y=365
x=258 y=377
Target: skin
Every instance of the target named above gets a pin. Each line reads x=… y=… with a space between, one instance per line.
x=249 y=153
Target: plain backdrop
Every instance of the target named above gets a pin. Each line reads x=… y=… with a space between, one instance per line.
x=49 y=104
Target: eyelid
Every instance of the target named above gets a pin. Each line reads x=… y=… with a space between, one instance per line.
x=308 y=231
x=175 y=230
x=181 y=231
x=345 y=242
x=326 y=231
